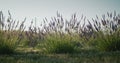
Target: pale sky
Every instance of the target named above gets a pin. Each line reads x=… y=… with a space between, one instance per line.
x=48 y=8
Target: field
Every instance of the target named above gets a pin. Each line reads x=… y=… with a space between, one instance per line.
x=77 y=40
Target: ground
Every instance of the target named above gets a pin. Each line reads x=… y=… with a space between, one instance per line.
x=34 y=56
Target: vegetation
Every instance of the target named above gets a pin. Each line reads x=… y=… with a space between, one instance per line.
x=5 y=46
x=60 y=40
x=57 y=44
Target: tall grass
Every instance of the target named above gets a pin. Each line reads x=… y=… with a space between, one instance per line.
x=9 y=36
x=109 y=42
x=7 y=46
x=61 y=44
x=108 y=31
x=102 y=32
x=63 y=36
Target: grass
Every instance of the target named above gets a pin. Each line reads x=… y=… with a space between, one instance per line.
x=109 y=42
x=61 y=41
x=6 y=46
x=60 y=44
x=85 y=57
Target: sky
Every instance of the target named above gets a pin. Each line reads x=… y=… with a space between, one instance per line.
x=40 y=9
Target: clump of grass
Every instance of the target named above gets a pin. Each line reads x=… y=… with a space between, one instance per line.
x=60 y=47
x=6 y=47
x=9 y=35
x=57 y=44
x=108 y=42
x=107 y=33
